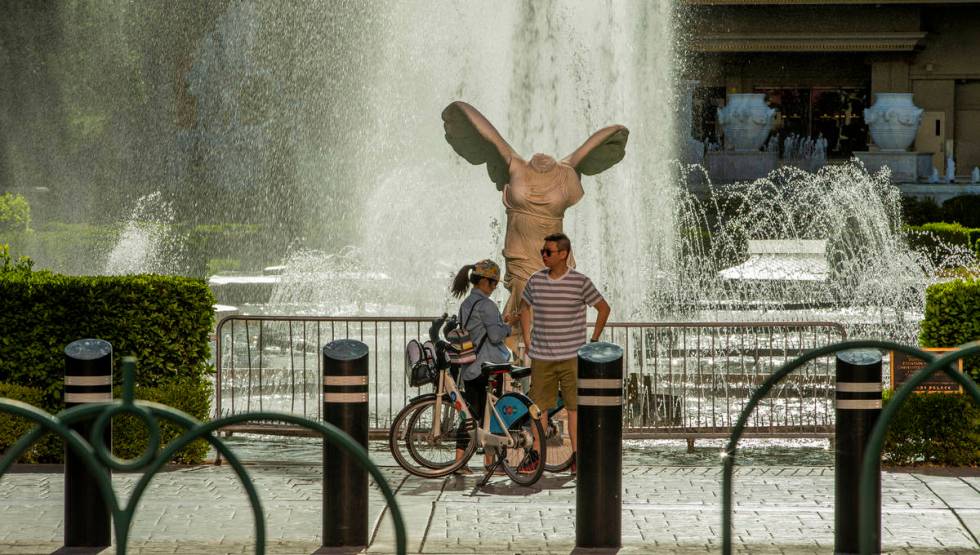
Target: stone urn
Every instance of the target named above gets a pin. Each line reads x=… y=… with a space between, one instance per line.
x=746 y=121
x=893 y=121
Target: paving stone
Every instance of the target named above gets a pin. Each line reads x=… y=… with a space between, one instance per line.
x=665 y=510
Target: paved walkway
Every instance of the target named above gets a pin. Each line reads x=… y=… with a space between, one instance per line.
x=665 y=510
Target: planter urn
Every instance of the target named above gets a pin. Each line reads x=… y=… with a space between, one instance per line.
x=893 y=121
x=746 y=121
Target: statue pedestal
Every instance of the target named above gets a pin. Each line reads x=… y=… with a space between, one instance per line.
x=906 y=167
x=726 y=166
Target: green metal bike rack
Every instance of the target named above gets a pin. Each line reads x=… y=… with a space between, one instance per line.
x=877 y=438
x=98 y=459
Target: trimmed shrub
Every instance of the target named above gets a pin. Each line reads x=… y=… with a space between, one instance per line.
x=48 y=448
x=193 y=397
x=964 y=209
x=936 y=429
x=916 y=212
x=936 y=238
x=952 y=317
x=164 y=321
x=128 y=432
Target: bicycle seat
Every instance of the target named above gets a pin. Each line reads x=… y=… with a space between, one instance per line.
x=518 y=372
x=495 y=368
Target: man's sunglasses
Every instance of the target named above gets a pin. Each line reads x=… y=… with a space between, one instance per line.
x=548 y=252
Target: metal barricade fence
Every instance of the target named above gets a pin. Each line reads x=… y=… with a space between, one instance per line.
x=683 y=379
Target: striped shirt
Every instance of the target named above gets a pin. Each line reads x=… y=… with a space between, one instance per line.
x=558 y=328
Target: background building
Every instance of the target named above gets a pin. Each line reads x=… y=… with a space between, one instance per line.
x=821 y=64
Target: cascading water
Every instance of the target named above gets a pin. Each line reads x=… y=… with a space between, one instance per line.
x=146 y=243
x=547 y=74
x=876 y=283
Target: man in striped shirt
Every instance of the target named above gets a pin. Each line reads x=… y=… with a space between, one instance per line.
x=558 y=297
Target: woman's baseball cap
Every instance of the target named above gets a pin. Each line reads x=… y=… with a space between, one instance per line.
x=488 y=269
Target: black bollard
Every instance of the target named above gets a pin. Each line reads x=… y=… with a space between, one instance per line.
x=599 y=457
x=345 y=483
x=88 y=379
x=858 y=407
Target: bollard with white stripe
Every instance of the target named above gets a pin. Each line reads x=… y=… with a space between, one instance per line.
x=345 y=483
x=88 y=379
x=599 y=457
x=858 y=407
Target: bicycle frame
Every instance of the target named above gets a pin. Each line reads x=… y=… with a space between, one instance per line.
x=447 y=385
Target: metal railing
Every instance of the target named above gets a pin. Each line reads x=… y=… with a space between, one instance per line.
x=99 y=462
x=869 y=501
x=684 y=379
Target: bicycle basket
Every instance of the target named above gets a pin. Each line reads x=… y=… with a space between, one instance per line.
x=421 y=364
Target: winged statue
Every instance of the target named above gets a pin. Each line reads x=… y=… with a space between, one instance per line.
x=535 y=192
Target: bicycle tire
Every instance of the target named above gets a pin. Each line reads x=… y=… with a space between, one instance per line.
x=512 y=458
x=559 y=454
x=413 y=447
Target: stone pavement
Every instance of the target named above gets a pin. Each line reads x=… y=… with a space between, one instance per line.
x=666 y=509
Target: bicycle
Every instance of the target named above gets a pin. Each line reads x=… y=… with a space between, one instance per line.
x=559 y=453
x=425 y=435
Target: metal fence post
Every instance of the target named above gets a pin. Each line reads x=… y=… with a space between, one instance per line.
x=599 y=458
x=88 y=379
x=858 y=407
x=345 y=405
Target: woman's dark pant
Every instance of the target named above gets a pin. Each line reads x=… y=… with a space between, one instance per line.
x=475 y=394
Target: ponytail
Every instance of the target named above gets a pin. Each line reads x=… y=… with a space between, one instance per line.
x=461 y=283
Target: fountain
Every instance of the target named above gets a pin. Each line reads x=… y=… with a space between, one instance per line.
x=283 y=116
x=147 y=243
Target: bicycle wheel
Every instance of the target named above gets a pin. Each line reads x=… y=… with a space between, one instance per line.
x=559 y=454
x=418 y=450
x=523 y=453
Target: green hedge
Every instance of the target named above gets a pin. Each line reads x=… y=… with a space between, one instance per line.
x=934 y=428
x=45 y=450
x=128 y=432
x=930 y=238
x=952 y=317
x=964 y=209
x=164 y=321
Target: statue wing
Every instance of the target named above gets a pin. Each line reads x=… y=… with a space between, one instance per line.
x=474 y=138
x=604 y=149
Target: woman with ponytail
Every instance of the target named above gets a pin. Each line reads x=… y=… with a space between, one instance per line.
x=481 y=317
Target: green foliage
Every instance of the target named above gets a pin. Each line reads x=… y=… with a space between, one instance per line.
x=213 y=248
x=71 y=248
x=952 y=317
x=916 y=212
x=9 y=266
x=218 y=265
x=164 y=321
x=47 y=449
x=964 y=209
x=128 y=432
x=15 y=213
x=934 y=428
x=190 y=396
x=936 y=238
